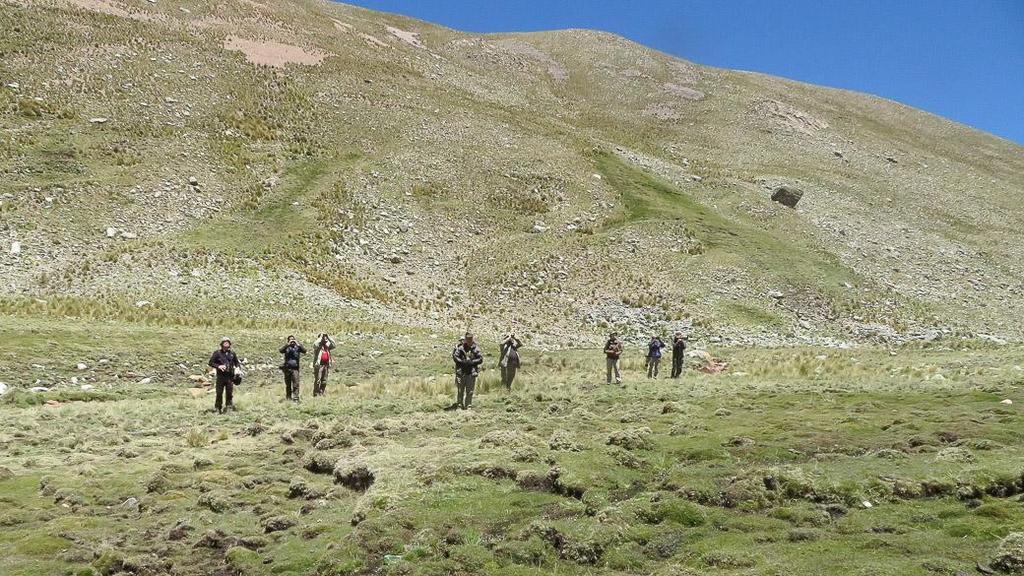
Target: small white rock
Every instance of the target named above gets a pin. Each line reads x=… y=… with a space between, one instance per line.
x=87 y=387
x=3 y=388
x=80 y=366
x=39 y=389
x=145 y=381
x=866 y=504
x=111 y=232
x=15 y=247
x=1007 y=402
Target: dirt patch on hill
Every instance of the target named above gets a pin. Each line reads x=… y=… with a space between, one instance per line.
x=111 y=8
x=410 y=38
x=373 y=41
x=782 y=115
x=271 y=53
x=684 y=92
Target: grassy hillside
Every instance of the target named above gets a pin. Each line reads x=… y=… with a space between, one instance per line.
x=287 y=161
x=171 y=172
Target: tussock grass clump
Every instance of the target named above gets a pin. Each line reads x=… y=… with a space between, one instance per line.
x=1009 y=556
x=277 y=523
x=353 y=475
x=319 y=462
x=196 y=438
x=561 y=440
x=630 y=438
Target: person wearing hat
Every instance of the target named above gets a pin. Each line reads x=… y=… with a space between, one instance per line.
x=654 y=355
x=468 y=358
x=612 y=353
x=509 y=360
x=678 y=354
x=321 y=363
x=225 y=362
x=292 y=350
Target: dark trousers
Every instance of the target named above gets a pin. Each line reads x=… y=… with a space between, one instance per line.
x=466 y=383
x=320 y=372
x=677 y=365
x=225 y=389
x=291 y=383
x=508 y=374
x=652 y=366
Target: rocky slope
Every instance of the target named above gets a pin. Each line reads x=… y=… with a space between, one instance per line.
x=301 y=163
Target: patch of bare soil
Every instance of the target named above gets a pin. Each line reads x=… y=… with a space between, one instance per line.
x=684 y=92
x=271 y=53
x=410 y=38
x=112 y=8
x=784 y=116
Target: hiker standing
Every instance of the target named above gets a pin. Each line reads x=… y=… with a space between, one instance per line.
x=321 y=363
x=654 y=355
x=678 y=354
x=292 y=350
x=225 y=362
x=612 y=353
x=509 y=361
x=468 y=359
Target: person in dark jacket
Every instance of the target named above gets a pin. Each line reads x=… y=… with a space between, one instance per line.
x=654 y=355
x=225 y=362
x=292 y=350
x=468 y=359
x=321 y=363
x=678 y=354
x=509 y=360
x=612 y=352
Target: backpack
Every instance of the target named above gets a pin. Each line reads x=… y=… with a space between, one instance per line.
x=511 y=358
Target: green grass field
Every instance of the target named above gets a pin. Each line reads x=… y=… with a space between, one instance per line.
x=870 y=461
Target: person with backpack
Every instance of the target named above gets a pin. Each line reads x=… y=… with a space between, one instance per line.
x=225 y=362
x=612 y=353
x=509 y=360
x=468 y=358
x=678 y=354
x=654 y=355
x=321 y=363
x=292 y=351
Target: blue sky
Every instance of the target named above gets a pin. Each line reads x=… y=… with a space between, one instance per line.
x=962 y=59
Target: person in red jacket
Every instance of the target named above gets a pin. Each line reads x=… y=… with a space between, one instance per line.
x=321 y=363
